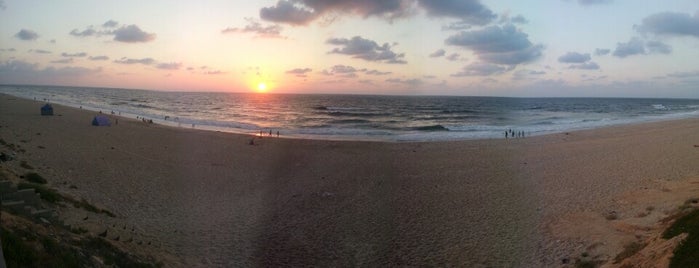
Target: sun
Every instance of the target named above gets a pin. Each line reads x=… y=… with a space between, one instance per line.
x=261 y=87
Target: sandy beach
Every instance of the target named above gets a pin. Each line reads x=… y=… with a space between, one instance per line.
x=205 y=198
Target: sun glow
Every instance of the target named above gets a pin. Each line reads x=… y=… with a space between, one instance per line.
x=261 y=87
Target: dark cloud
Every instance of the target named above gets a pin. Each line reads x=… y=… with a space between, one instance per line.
x=74 y=55
x=481 y=69
x=110 y=24
x=636 y=46
x=366 y=49
x=132 y=34
x=440 y=52
x=27 y=35
x=86 y=32
x=63 y=61
x=40 y=51
x=286 y=12
x=574 y=57
x=215 y=72
x=2 y=5
x=270 y=31
x=144 y=61
x=498 y=45
x=299 y=72
x=585 y=66
x=671 y=23
x=169 y=66
x=376 y=72
x=453 y=57
x=52 y=41
x=593 y=2
x=658 y=47
x=98 y=58
x=303 y=12
x=602 y=51
x=467 y=11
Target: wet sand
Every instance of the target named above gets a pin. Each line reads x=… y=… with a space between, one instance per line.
x=211 y=199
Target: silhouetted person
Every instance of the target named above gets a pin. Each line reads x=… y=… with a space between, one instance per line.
x=277 y=134
x=505 y=134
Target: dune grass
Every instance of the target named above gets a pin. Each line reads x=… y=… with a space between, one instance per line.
x=687 y=253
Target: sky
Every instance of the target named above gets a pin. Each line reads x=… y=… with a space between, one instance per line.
x=547 y=48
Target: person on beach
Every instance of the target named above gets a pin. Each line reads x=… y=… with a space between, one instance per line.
x=277 y=133
x=505 y=134
x=270 y=133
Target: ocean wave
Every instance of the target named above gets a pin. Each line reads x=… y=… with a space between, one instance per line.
x=431 y=128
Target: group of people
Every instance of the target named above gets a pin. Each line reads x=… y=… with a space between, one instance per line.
x=262 y=133
x=513 y=134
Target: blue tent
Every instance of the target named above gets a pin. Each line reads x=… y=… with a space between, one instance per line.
x=47 y=109
x=100 y=120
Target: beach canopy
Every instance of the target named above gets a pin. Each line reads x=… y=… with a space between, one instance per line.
x=100 y=120
x=47 y=109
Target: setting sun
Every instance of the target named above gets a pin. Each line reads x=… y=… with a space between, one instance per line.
x=261 y=87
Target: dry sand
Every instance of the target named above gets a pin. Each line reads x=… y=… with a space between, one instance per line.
x=210 y=199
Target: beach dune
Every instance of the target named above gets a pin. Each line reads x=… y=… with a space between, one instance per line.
x=212 y=199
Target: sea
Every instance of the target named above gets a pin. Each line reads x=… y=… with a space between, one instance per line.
x=363 y=117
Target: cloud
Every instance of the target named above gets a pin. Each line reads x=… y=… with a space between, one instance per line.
x=440 y=52
x=684 y=74
x=636 y=46
x=593 y=2
x=658 y=47
x=409 y=82
x=127 y=34
x=2 y=5
x=519 y=19
x=144 y=61
x=287 y=12
x=498 y=45
x=98 y=58
x=376 y=72
x=670 y=23
x=574 y=57
x=40 y=51
x=270 y=31
x=585 y=66
x=341 y=70
x=601 y=51
x=366 y=49
x=27 y=35
x=299 y=72
x=480 y=69
x=110 y=24
x=20 y=71
x=214 y=72
x=63 y=61
x=169 y=66
x=132 y=34
x=467 y=11
x=453 y=57
x=74 y=55
x=303 y=12
x=524 y=74
x=633 y=47
x=86 y=32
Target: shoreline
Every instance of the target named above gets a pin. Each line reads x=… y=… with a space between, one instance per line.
x=211 y=199
x=399 y=136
